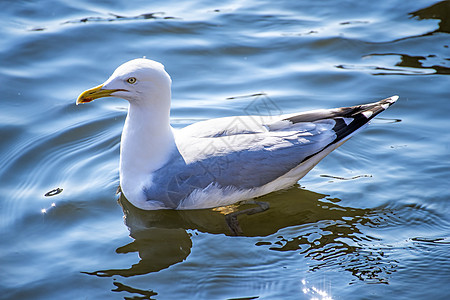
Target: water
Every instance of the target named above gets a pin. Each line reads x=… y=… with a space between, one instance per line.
x=369 y=222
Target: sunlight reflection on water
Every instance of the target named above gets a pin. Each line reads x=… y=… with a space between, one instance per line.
x=314 y=293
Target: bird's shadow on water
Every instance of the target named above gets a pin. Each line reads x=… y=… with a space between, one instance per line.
x=325 y=233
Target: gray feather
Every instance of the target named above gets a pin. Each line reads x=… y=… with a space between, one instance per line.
x=248 y=152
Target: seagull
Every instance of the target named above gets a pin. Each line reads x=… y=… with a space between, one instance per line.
x=220 y=161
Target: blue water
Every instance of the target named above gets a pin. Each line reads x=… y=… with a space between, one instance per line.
x=371 y=221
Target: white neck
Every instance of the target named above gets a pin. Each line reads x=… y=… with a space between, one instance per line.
x=147 y=141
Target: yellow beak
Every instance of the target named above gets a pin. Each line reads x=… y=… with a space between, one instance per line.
x=95 y=93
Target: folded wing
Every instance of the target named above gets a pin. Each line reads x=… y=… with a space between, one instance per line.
x=248 y=152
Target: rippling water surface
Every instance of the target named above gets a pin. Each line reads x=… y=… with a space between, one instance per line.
x=369 y=222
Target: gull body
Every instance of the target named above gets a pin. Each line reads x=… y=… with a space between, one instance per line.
x=219 y=161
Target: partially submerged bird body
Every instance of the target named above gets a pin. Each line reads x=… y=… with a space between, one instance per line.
x=220 y=161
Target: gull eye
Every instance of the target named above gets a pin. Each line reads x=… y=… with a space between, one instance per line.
x=131 y=80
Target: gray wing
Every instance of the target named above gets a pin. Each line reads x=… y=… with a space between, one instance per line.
x=249 y=152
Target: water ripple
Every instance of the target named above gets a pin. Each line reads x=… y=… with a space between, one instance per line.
x=356 y=241
x=390 y=229
x=44 y=156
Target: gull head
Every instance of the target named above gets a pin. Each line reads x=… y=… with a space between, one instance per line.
x=139 y=81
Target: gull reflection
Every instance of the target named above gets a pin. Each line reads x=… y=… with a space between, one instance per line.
x=326 y=233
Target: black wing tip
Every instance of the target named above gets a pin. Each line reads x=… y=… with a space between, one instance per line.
x=394 y=98
x=371 y=110
x=391 y=100
x=361 y=115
